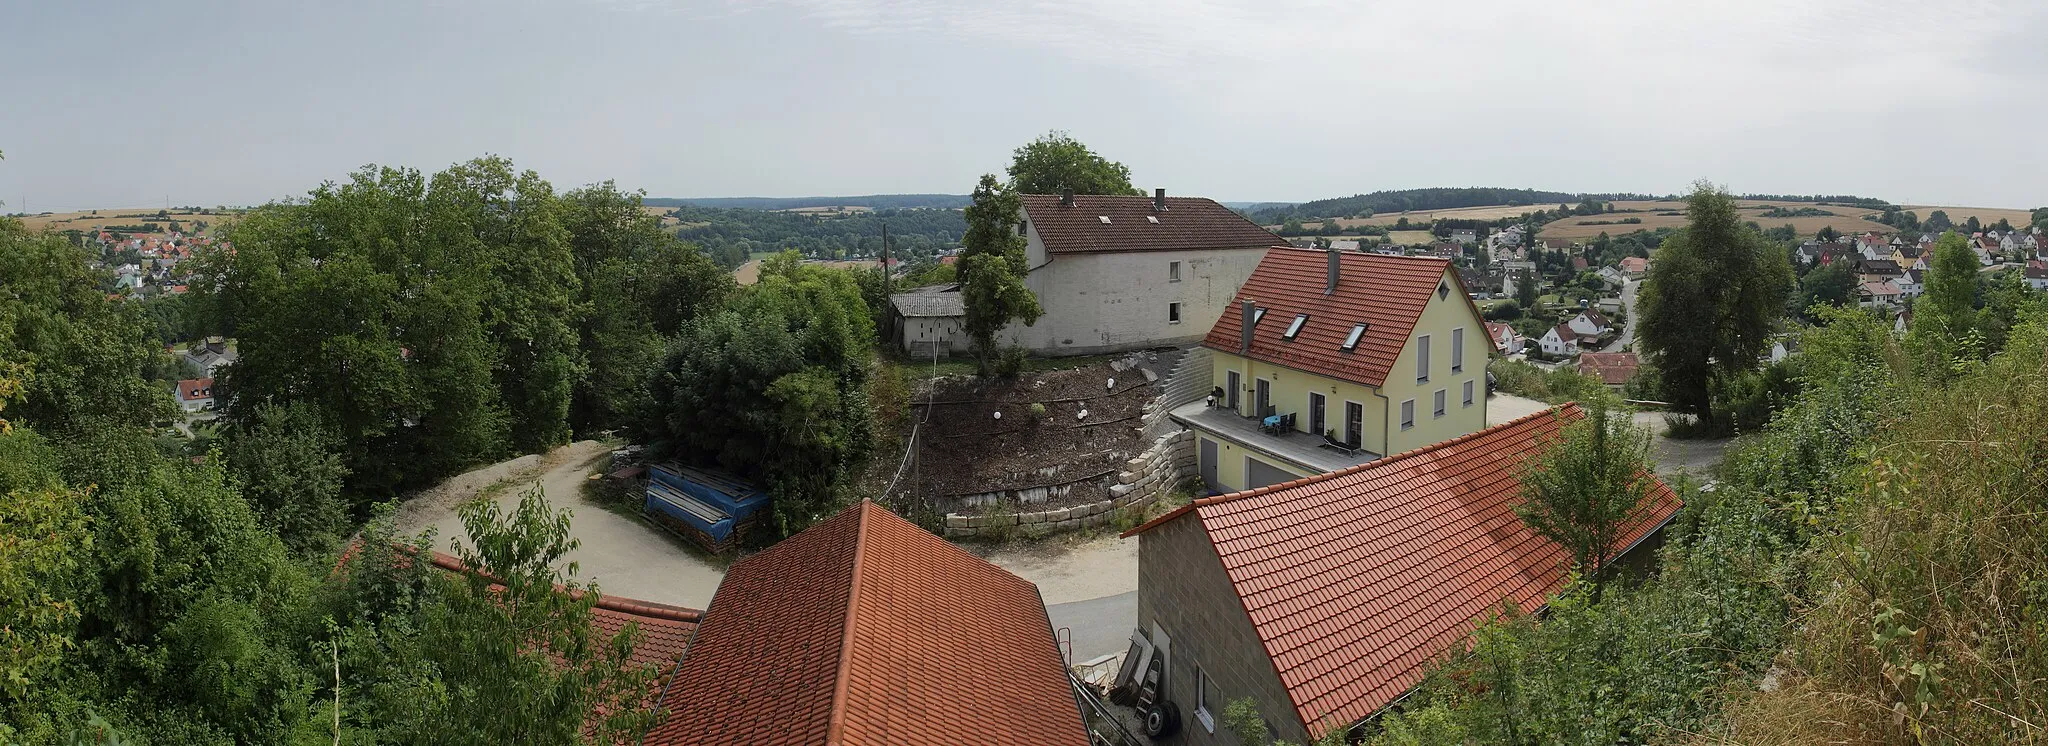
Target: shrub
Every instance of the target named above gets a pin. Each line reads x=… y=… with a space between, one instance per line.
x=1011 y=362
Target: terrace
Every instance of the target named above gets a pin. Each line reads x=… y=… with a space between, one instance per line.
x=1293 y=446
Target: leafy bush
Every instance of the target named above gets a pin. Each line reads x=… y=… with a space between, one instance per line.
x=1553 y=386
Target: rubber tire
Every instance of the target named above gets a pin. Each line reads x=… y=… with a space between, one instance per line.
x=1162 y=719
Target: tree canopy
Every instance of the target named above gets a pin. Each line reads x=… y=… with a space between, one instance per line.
x=1056 y=163
x=1714 y=296
x=992 y=267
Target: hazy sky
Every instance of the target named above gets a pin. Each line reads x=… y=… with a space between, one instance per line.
x=111 y=104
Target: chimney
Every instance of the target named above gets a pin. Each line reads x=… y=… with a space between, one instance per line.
x=1330 y=287
x=1244 y=325
x=1159 y=200
x=1067 y=198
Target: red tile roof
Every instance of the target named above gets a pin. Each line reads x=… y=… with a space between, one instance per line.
x=195 y=388
x=664 y=630
x=1634 y=264
x=1187 y=224
x=1612 y=368
x=866 y=629
x=1355 y=580
x=1387 y=293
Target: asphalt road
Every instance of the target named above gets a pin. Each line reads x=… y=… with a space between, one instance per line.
x=1099 y=626
x=1628 y=330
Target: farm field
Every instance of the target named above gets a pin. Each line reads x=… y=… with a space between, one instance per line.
x=86 y=220
x=1845 y=220
x=828 y=210
x=750 y=273
x=1985 y=215
x=1410 y=238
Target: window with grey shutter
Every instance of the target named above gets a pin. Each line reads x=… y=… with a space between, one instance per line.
x=1458 y=350
x=1422 y=359
x=1407 y=414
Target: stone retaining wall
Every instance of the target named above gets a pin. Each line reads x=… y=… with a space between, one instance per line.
x=1162 y=467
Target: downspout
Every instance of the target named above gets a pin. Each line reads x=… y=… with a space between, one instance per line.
x=1386 y=422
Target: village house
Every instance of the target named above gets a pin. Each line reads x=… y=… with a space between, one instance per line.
x=1464 y=235
x=2036 y=274
x=1590 y=325
x=1874 y=294
x=1332 y=359
x=195 y=394
x=1505 y=338
x=1117 y=273
x=1878 y=270
x=1325 y=600
x=866 y=629
x=930 y=321
x=208 y=355
x=1635 y=267
x=1614 y=369
x=1559 y=342
x=1613 y=276
x=1909 y=284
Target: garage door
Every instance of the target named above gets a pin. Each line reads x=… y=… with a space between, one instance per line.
x=1259 y=474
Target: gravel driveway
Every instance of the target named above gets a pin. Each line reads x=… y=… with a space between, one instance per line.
x=624 y=555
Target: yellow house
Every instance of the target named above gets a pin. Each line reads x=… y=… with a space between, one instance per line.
x=1332 y=359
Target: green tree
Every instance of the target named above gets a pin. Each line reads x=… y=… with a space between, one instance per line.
x=42 y=533
x=773 y=388
x=1715 y=294
x=1937 y=221
x=1828 y=234
x=1527 y=291
x=87 y=355
x=992 y=268
x=1833 y=284
x=1056 y=162
x=1947 y=306
x=289 y=467
x=1583 y=487
x=639 y=284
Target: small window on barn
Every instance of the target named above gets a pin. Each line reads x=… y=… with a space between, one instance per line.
x=1351 y=340
x=1173 y=313
x=1173 y=271
x=1295 y=328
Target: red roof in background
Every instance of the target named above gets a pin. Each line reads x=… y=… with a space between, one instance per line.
x=866 y=629
x=1388 y=293
x=195 y=388
x=1634 y=264
x=1357 y=579
x=1187 y=224
x=664 y=630
x=1612 y=368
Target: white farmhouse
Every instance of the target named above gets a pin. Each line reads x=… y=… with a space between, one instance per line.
x=1118 y=273
x=1560 y=341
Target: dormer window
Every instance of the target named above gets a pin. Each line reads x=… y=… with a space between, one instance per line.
x=1351 y=340
x=1295 y=328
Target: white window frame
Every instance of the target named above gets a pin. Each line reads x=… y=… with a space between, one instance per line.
x=1173 y=312
x=1468 y=393
x=1173 y=271
x=1408 y=414
x=1202 y=714
x=1440 y=403
x=1458 y=350
x=1422 y=359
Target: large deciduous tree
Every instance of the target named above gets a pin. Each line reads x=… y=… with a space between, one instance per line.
x=992 y=268
x=639 y=283
x=1056 y=163
x=774 y=388
x=1583 y=487
x=1715 y=293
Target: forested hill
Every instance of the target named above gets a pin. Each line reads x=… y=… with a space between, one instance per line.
x=871 y=201
x=731 y=235
x=1431 y=198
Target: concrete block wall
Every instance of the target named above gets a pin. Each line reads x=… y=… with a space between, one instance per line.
x=1162 y=467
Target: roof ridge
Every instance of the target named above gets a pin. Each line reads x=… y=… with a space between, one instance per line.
x=835 y=727
x=1383 y=461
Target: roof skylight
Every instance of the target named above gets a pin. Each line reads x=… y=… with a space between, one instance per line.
x=1295 y=328
x=1351 y=340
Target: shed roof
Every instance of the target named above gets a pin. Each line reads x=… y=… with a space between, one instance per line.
x=866 y=629
x=1355 y=580
x=935 y=301
x=1612 y=368
x=1105 y=223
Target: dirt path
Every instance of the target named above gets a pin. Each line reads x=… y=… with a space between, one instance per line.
x=1695 y=457
x=1065 y=572
x=623 y=555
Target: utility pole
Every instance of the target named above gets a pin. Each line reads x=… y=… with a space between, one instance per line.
x=885 y=260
